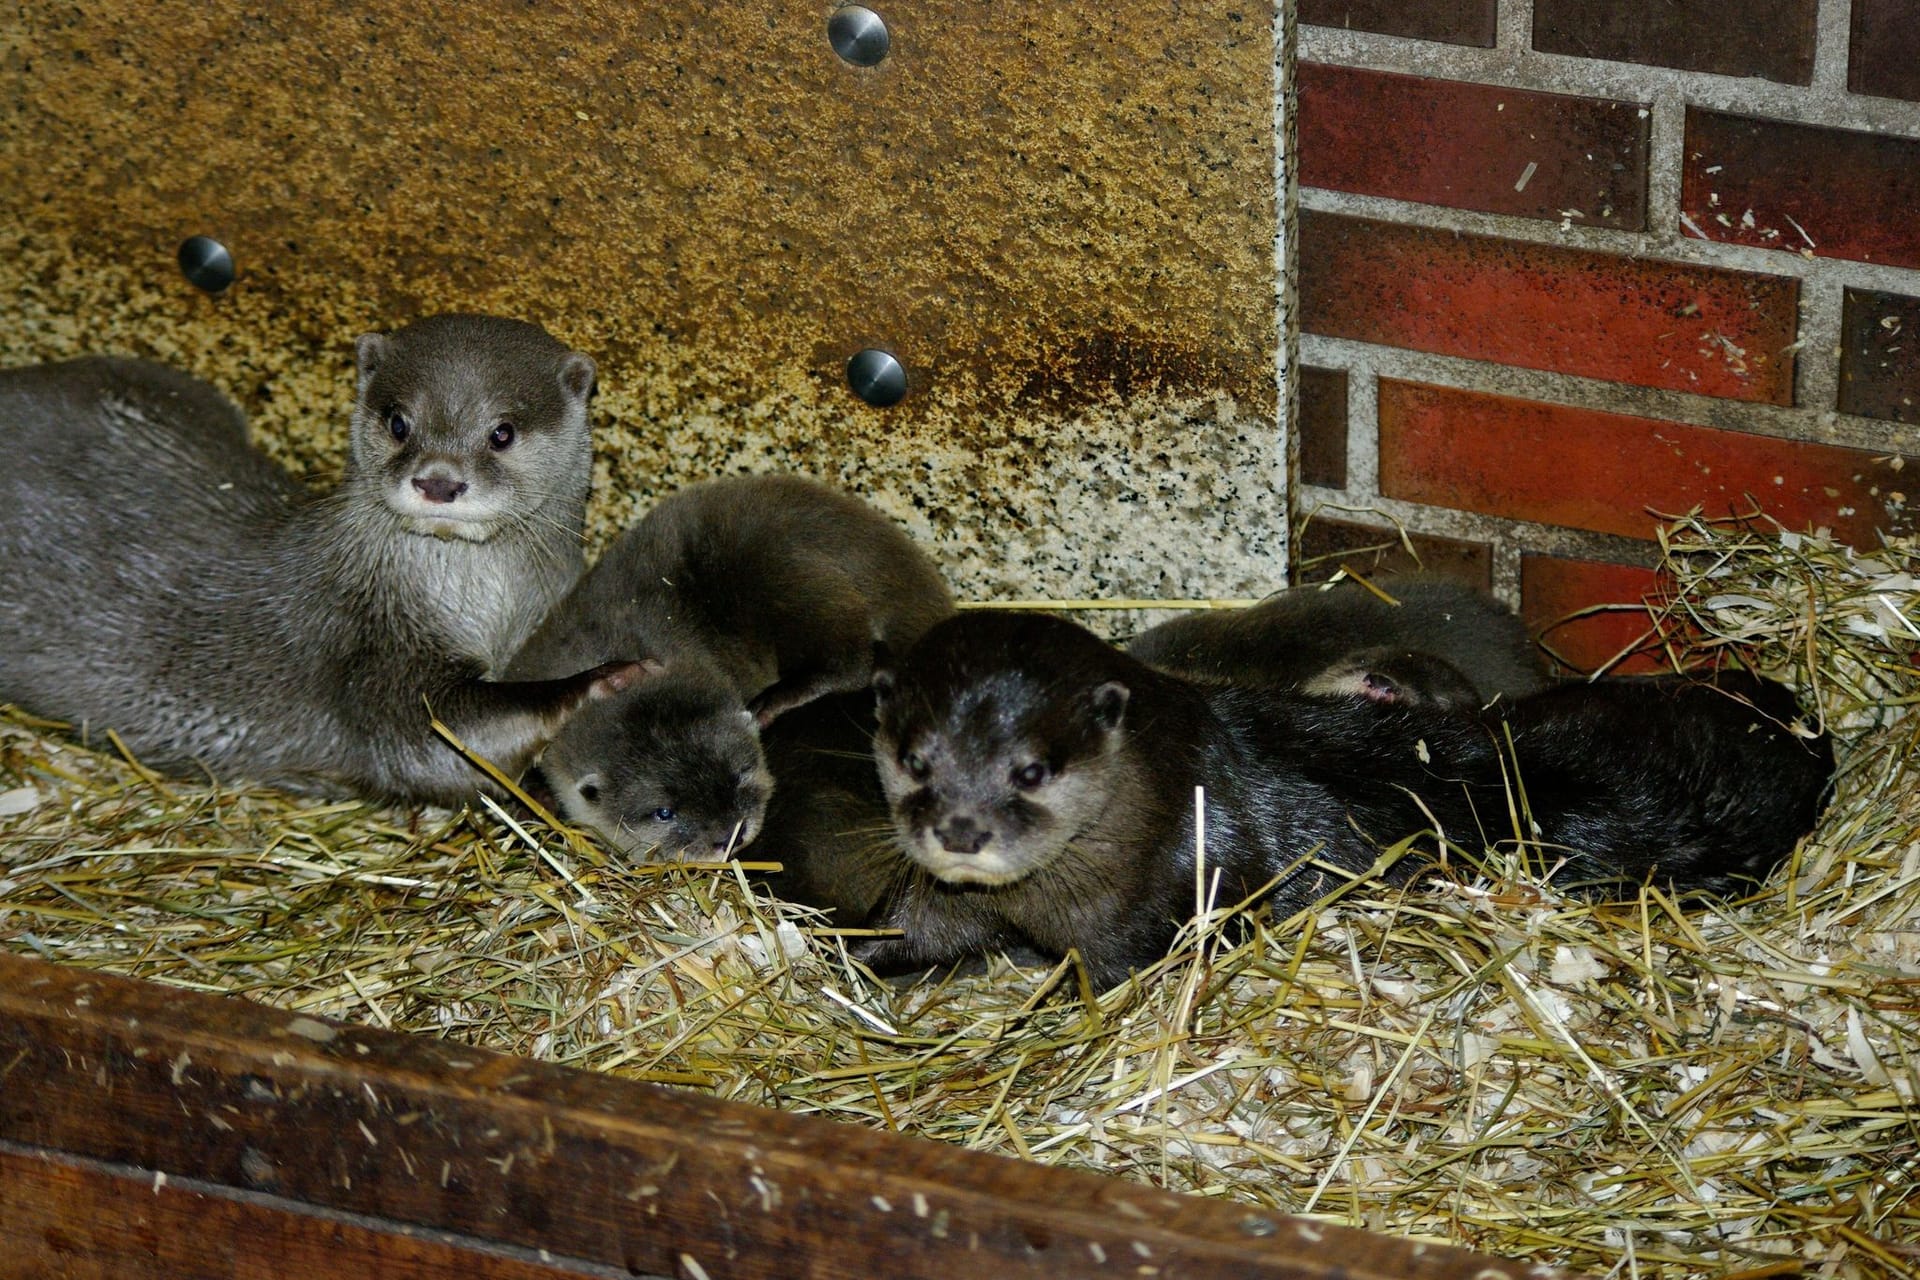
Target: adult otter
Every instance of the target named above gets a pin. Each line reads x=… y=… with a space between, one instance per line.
x=165 y=580
x=744 y=597
x=1308 y=634
x=1043 y=785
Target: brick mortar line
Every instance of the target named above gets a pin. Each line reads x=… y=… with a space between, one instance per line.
x=1506 y=572
x=1659 y=242
x=1791 y=423
x=1817 y=104
x=1816 y=369
x=1513 y=26
x=1363 y=424
x=1832 y=34
x=1666 y=162
x=1286 y=264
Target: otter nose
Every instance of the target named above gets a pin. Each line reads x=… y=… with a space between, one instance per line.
x=439 y=488
x=961 y=835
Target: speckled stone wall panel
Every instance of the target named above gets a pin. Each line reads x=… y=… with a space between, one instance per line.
x=1620 y=474
x=1061 y=219
x=1836 y=193
x=1766 y=38
x=1543 y=306
x=1473 y=146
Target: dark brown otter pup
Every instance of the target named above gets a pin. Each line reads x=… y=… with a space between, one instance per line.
x=167 y=581
x=827 y=822
x=1043 y=787
x=1456 y=645
x=744 y=598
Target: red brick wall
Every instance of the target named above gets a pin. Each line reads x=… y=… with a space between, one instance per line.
x=1567 y=267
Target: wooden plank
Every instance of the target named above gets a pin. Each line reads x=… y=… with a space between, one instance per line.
x=83 y=1220
x=609 y=1171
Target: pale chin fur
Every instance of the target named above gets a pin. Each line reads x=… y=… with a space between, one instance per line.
x=453 y=530
x=966 y=868
x=429 y=520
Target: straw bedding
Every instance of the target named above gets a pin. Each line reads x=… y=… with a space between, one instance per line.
x=1630 y=1089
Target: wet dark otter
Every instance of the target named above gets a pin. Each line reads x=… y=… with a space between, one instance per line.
x=1307 y=638
x=1043 y=785
x=167 y=581
x=744 y=597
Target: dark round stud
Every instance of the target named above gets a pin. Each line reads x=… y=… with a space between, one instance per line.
x=859 y=35
x=877 y=377
x=206 y=263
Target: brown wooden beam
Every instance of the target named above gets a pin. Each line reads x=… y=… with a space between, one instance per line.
x=411 y=1130
x=62 y=1216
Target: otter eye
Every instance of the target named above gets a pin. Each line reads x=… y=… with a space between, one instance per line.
x=916 y=766
x=1027 y=777
x=501 y=438
x=663 y=814
x=590 y=793
x=399 y=425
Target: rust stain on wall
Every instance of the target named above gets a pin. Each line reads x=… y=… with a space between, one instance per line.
x=1046 y=211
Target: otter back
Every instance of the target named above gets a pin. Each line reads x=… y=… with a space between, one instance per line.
x=1306 y=634
x=745 y=597
x=167 y=581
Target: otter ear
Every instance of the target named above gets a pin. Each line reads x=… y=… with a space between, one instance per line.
x=370 y=349
x=577 y=376
x=1110 y=704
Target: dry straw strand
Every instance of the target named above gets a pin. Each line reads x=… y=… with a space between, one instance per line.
x=1652 y=1088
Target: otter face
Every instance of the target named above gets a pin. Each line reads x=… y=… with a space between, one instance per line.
x=990 y=780
x=660 y=779
x=468 y=425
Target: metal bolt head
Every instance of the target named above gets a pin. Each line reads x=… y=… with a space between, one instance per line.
x=206 y=263
x=877 y=377
x=859 y=35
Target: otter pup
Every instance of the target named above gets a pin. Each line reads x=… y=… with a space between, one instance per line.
x=827 y=820
x=744 y=597
x=1308 y=638
x=1042 y=785
x=165 y=580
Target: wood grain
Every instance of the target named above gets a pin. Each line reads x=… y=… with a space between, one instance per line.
x=82 y=1220
x=611 y=1172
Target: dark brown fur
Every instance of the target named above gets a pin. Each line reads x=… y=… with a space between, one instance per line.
x=1043 y=787
x=745 y=597
x=827 y=822
x=1306 y=638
